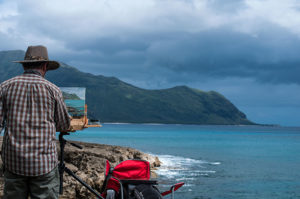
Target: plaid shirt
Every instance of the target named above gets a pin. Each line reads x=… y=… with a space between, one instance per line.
x=31 y=111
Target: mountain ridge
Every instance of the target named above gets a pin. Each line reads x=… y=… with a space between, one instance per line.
x=112 y=100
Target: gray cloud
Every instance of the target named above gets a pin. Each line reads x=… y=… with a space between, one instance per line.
x=218 y=53
x=237 y=47
x=230 y=6
x=223 y=53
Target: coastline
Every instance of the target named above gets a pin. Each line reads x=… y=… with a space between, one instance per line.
x=89 y=164
x=195 y=124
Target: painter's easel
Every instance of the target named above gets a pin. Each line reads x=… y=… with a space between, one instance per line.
x=81 y=123
x=76 y=125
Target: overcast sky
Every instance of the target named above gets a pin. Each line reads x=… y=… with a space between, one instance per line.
x=248 y=50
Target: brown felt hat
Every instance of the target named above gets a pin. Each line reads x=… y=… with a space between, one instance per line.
x=39 y=54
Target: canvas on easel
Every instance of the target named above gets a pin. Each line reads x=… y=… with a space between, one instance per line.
x=74 y=98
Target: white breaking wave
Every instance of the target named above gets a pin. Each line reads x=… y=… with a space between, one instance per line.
x=176 y=169
x=215 y=163
x=184 y=169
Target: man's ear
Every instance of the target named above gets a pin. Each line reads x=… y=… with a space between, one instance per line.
x=45 y=66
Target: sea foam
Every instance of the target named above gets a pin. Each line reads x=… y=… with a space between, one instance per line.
x=177 y=168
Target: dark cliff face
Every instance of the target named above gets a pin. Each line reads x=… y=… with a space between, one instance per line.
x=112 y=100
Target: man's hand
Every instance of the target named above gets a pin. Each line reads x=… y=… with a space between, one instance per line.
x=77 y=124
x=72 y=125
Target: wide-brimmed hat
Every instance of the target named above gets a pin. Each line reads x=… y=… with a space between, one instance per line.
x=39 y=54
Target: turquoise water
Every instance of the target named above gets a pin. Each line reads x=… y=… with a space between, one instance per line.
x=217 y=162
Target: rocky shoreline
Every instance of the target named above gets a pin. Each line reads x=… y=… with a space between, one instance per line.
x=89 y=164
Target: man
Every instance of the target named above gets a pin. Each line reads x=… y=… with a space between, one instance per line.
x=31 y=111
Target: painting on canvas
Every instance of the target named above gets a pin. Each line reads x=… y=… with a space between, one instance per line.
x=74 y=98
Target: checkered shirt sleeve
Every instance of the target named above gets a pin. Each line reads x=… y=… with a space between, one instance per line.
x=1 y=112
x=34 y=110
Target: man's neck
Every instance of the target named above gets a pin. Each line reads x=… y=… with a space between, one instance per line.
x=34 y=71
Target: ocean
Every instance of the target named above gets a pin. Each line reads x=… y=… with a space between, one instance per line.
x=215 y=162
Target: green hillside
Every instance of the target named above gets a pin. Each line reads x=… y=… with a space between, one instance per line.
x=112 y=100
x=68 y=96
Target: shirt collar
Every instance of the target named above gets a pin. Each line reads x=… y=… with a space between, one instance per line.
x=31 y=71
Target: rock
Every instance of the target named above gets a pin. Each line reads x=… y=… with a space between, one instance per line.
x=157 y=162
x=89 y=164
